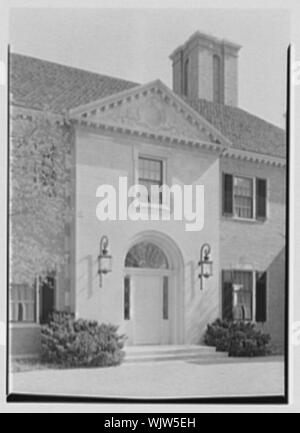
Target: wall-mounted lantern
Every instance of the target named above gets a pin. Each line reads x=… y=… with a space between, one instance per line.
x=104 y=259
x=206 y=265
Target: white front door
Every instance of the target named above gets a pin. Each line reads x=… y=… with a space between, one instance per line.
x=148 y=309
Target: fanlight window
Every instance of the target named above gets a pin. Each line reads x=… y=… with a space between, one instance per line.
x=146 y=255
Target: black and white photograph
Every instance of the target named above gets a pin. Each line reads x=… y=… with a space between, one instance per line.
x=148 y=192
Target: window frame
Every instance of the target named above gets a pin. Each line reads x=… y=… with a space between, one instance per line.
x=34 y=302
x=37 y=288
x=252 y=291
x=142 y=150
x=254 y=179
x=159 y=183
x=255 y=273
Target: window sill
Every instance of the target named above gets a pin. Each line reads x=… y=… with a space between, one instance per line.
x=253 y=322
x=244 y=220
x=24 y=325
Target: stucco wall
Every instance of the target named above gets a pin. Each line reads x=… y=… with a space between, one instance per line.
x=101 y=160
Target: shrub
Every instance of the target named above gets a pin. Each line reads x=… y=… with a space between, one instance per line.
x=237 y=338
x=217 y=333
x=253 y=343
x=222 y=344
x=80 y=343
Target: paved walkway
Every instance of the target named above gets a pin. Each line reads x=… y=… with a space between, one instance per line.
x=259 y=377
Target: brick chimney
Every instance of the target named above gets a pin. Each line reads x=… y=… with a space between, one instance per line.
x=206 y=67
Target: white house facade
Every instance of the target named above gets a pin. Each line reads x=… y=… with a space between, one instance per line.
x=150 y=135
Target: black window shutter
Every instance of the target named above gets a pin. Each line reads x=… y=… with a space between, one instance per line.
x=227 y=194
x=47 y=294
x=261 y=198
x=261 y=297
x=227 y=298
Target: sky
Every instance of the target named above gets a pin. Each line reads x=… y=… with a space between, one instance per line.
x=135 y=44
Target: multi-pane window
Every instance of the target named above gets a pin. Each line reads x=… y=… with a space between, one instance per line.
x=239 y=302
x=146 y=255
x=243 y=197
x=243 y=295
x=33 y=303
x=22 y=303
x=151 y=174
x=237 y=295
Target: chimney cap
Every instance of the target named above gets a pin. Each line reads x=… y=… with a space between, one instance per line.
x=200 y=37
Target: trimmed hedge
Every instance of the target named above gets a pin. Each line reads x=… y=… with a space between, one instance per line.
x=69 y=342
x=254 y=343
x=239 y=339
x=217 y=333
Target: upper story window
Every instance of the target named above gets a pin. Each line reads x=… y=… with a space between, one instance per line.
x=217 y=85
x=151 y=174
x=244 y=197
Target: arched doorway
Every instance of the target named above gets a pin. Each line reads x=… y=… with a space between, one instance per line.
x=151 y=296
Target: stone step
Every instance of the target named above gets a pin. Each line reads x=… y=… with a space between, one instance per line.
x=168 y=349
x=157 y=358
x=171 y=353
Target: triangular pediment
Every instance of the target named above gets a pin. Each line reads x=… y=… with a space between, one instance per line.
x=151 y=109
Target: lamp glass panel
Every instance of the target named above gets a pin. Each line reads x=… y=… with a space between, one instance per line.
x=207 y=269
x=105 y=264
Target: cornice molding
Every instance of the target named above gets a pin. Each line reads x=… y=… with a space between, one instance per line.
x=206 y=145
x=29 y=113
x=206 y=41
x=254 y=157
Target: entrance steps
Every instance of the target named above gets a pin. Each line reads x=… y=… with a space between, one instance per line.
x=137 y=354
